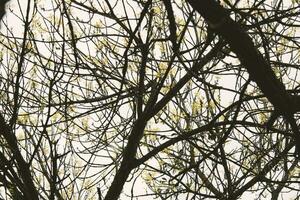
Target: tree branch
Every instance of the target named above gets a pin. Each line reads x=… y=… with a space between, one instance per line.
x=2 y=8
x=242 y=45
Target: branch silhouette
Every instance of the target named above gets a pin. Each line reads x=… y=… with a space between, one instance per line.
x=258 y=68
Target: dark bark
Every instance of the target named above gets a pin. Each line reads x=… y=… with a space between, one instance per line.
x=129 y=161
x=2 y=8
x=258 y=68
x=241 y=44
x=29 y=189
x=172 y=23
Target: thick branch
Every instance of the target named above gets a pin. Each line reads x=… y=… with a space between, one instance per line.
x=2 y=8
x=129 y=161
x=241 y=44
x=172 y=23
x=259 y=70
x=23 y=167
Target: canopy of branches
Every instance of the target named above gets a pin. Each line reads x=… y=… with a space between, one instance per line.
x=149 y=99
